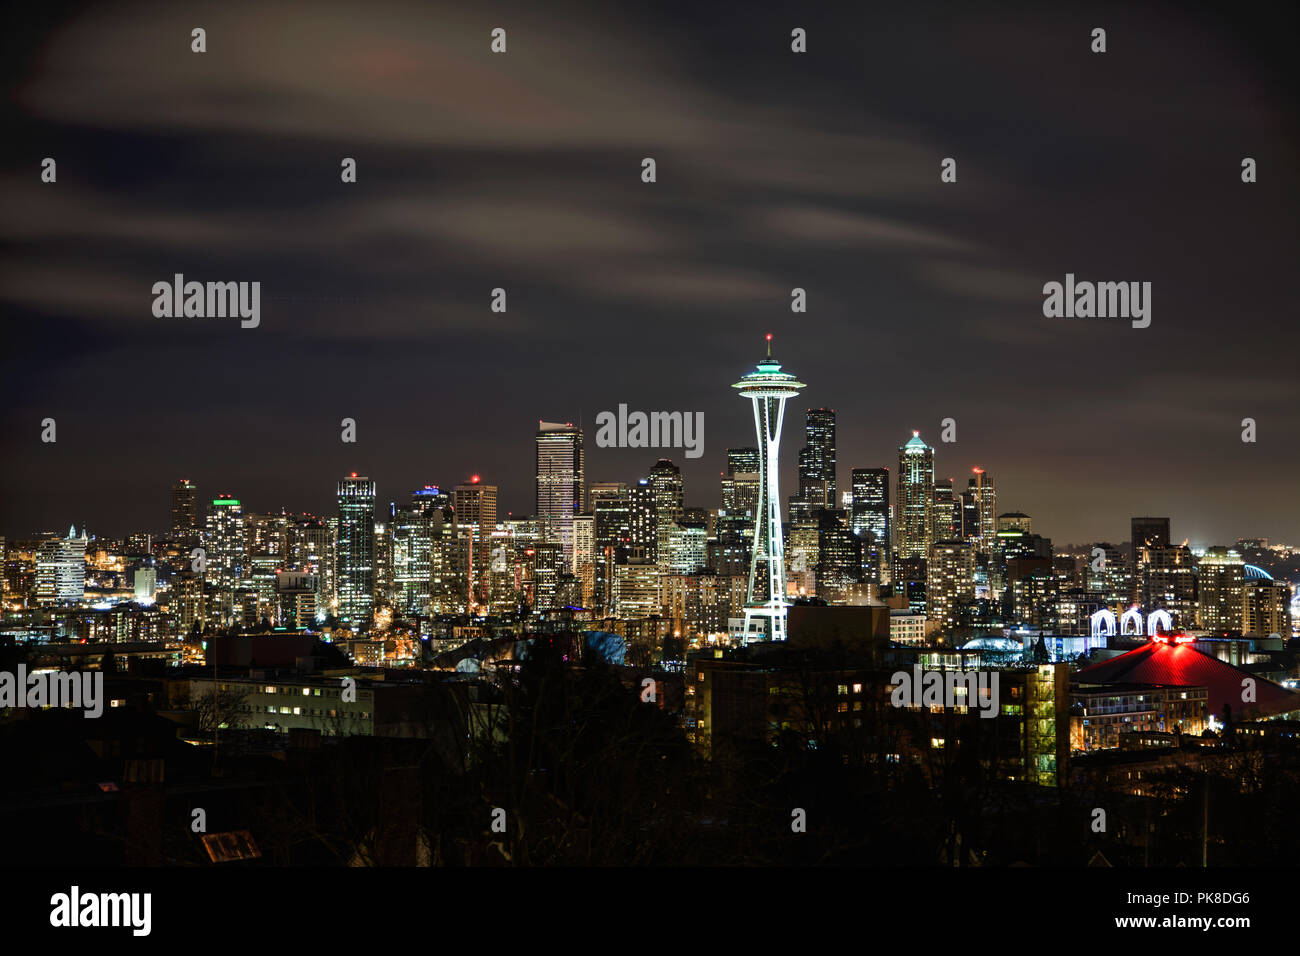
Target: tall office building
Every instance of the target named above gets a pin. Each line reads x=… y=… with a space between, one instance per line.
x=604 y=490
x=560 y=481
x=839 y=556
x=1110 y=575
x=312 y=551
x=1015 y=520
x=816 y=466
x=870 y=514
x=666 y=486
x=414 y=528
x=475 y=505
x=61 y=569
x=1167 y=580
x=584 y=542
x=475 y=508
x=869 y=520
x=915 y=499
x=984 y=531
x=1220 y=579
x=734 y=524
x=612 y=534
x=1149 y=533
x=946 y=516
x=185 y=516
x=355 y=569
x=768 y=388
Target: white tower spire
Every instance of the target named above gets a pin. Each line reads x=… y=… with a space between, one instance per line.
x=765 y=605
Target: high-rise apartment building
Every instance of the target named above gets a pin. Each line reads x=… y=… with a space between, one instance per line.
x=1167 y=580
x=1265 y=604
x=1220 y=580
x=950 y=581
x=226 y=544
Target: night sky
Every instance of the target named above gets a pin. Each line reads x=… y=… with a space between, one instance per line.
x=522 y=170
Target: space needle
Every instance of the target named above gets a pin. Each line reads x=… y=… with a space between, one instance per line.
x=765 y=606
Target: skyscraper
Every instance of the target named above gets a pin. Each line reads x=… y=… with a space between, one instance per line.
x=666 y=486
x=355 y=571
x=768 y=388
x=915 y=499
x=871 y=502
x=816 y=466
x=949 y=581
x=185 y=519
x=475 y=507
x=986 y=507
x=226 y=543
x=1220 y=580
x=643 y=522
x=1167 y=580
x=414 y=530
x=869 y=520
x=1265 y=604
x=559 y=481
x=945 y=516
x=1149 y=533
x=61 y=569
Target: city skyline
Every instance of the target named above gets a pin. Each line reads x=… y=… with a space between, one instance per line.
x=387 y=492
x=775 y=172
x=703 y=492
x=439 y=437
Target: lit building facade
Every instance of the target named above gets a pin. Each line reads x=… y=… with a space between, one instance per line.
x=915 y=491
x=356 y=552
x=560 y=481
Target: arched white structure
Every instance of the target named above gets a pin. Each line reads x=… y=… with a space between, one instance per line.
x=1153 y=622
x=1103 y=617
x=1131 y=616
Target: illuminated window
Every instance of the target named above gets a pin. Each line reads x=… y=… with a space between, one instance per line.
x=936 y=743
x=284 y=710
x=306 y=691
x=843 y=707
x=297 y=711
x=857 y=688
x=842 y=689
